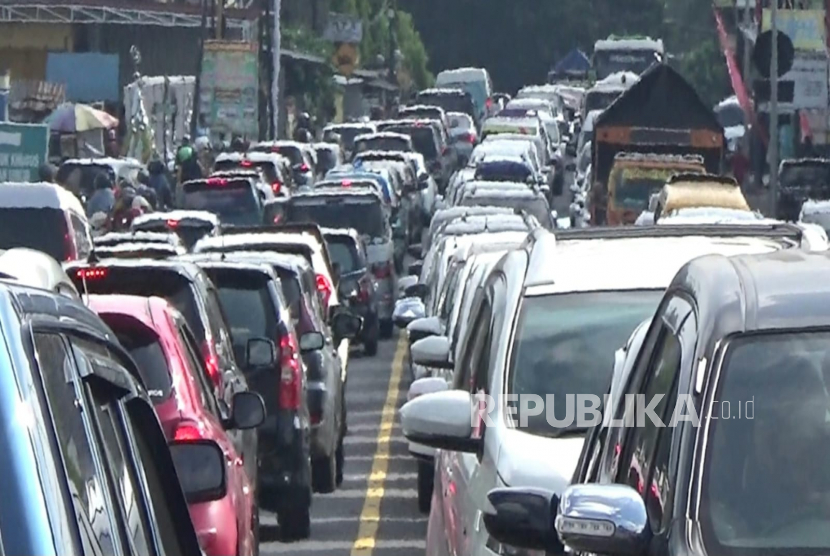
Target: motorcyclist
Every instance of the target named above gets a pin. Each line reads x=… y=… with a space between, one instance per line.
x=188 y=162
x=304 y=130
x=144 y=190
x=103 y=199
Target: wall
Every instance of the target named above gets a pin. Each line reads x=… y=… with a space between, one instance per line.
x=24 y=47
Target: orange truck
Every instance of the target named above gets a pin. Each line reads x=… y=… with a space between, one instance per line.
x=635 y=177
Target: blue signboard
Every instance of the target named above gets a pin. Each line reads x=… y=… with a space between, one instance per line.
x=88 y=76
x=23 y=149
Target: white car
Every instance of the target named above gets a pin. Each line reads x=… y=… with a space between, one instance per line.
x=546 y=321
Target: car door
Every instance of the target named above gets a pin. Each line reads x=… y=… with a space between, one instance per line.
x=465 y=467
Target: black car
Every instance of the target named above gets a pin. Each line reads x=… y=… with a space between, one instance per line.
x=731 y=456
x=236 y=200
x=326 y=373
x=428 y=140
x=190 y=291
x=358 y=288
x=451 y=100
x=86 y=467
x=252 y=299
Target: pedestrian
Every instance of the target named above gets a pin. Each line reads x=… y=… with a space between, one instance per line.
x=158 y=182
x=47 y=173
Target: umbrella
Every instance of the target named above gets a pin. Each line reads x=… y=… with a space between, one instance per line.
x=72 y=118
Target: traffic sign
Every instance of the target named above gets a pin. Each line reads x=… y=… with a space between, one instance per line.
x=346 y=58
x=762 y=53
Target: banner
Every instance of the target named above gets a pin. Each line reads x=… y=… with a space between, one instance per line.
x=23 y=149
x=229 y=88
x=344 y=28
x=804 y=27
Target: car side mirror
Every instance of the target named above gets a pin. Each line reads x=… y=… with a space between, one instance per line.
x=417 y=290
x=247 y=411
x=200 y=466
x=311 y=341
x=523 y=518
x=433 y=351
x=415 y=269
x=260 y=352
x=423 y=176
x=346 y=326
x=407 y=310
x=603 y=519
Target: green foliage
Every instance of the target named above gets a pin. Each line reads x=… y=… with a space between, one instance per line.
x=303 y=40
x=519 y=41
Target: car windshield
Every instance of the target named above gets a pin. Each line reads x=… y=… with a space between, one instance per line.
x=343 y=253
x=394 y=144
x=820 y=218
x=248 y=307
x=292 y=153
x=609 y=62
x=535 y=206
x=803 y=176
x=147 y=282
x=423 y=139
x=635 y=187
x=146 y=351
x=233 y=202
x=765 y=485
x=49 y=236
x=364 y=216
x=564 y=345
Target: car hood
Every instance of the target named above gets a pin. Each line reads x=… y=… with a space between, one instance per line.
x=527 y=460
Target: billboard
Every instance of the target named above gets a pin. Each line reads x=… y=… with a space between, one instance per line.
x=23 y=149
x=229 y=88
x=804 y=27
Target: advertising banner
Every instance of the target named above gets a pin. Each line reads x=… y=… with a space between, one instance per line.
x=228 y=91
x=804 y=27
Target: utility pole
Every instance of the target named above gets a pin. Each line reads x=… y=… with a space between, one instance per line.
x=747 y=19
x=773 y=112
x=194 y=115
x=220 y=19
x=276 y=46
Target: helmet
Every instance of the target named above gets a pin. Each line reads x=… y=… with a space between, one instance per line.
x=46 y=172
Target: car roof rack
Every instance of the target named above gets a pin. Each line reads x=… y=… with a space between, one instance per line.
x=782 y=230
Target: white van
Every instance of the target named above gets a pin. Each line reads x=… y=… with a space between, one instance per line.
x=475 y=81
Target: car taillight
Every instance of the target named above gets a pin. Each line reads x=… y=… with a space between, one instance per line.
x=91 y=273
x=212 y=364
x=173 y=224
x=187 y=432
x=246 y=163
x=316 y=418
x=324 y=287
x=469 y=138
x=382 y=270
x=217 y=181
x=291 y=384
x=304 y=168
x=276 y=187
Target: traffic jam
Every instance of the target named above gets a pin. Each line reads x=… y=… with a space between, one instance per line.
x=486 y=324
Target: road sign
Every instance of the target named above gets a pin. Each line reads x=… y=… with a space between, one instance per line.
x=762 y=53
x=346 y=58
x=344 y=28
x=23 y=149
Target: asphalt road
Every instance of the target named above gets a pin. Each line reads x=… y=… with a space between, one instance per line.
x=374 y=512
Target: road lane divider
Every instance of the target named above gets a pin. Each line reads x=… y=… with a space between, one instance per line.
x=367 y=532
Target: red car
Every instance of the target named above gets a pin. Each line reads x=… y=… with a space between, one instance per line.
x=167 y=355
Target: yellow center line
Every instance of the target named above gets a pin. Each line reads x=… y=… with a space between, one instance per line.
x=370 y=515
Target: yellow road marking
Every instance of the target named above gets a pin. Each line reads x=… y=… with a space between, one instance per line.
x=370 y=515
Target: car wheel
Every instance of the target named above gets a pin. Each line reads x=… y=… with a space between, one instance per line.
x=340 y=458
x=387 y=327
x=295 y=524
x=324 y=474
x=426 y=478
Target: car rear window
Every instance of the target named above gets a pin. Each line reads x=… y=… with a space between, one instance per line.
x=188 y=232
x=269 y=171
x=145 y=348
x=49 y=235
x=450 y=103
x=365 y=216
x=145 y=282
x=294 y=154
x=326 y=160
x=291 y=290
x=423 y=140
x=348 y=134
x=394 y=144
x=343 y=252
x=81 y=177
x=537 y=206
x=248 y=306
x=232 y=201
